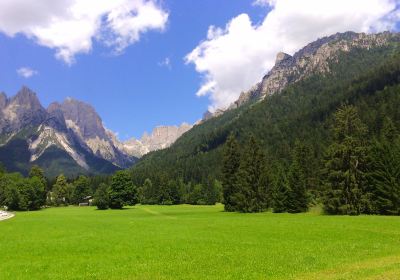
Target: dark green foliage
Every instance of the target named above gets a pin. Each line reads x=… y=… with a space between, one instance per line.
x=366 y=79
x=298 y=179
x=346 y=165
x=62 y=191
x=280 y=192
x=149 y=193
x=122 y=191
x=81 y=189
x=251 y=191
x=18 y=193
x=384 y=171
x=102 y=197
x=230 y=168
x=171 y=192
x=55 y=161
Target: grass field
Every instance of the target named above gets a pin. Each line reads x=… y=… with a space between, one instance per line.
x=189 y=242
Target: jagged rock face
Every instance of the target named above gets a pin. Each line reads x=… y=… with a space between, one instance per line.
x=76 y=128
x=162 y=137
x=23 y=110
x=72 y=126
x=84 y=117
x=314 y=58
x=88 y=127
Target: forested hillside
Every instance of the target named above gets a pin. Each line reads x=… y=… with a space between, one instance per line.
x=366 y=78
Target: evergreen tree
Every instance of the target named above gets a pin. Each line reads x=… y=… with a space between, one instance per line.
x=230 y=167
x=297 y=180
x=345 y=165
x=149 y=192
x=102 y=197
x=384 y=175
x=251 y=191
x=280 y=192
x=196 y=196
x=122 y=191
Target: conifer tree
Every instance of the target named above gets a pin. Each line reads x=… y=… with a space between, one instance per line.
x=280 y=192
x=345 y=165
x=252 y=192
x=298 y=179
x=230 y=167
x=149 y=192
x=384 y=175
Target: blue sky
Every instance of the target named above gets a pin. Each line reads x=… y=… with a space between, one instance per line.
x=135 y=90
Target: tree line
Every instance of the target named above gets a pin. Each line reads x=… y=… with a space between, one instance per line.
x=358 y=175
x=115 y=192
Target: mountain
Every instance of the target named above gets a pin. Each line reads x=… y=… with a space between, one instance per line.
x=315 y=58
x=161 y=137
x=67 y=137
x=295 y=101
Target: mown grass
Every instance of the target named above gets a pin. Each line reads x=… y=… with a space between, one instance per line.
x=196 y=242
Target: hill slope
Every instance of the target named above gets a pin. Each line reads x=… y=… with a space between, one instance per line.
x=358 y=69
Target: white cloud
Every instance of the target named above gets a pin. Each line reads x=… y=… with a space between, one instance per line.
x=26 y=72
x=70 y=26
x=234 y=58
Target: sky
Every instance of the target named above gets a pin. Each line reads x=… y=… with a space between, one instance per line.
x=143 y=63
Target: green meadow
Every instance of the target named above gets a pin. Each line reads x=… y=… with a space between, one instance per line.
x=196 y=242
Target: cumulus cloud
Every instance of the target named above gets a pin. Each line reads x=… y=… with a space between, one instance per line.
x=71 y=26
x=234 y=58
x=26 y=72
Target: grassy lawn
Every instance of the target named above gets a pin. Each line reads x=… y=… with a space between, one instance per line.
x=189 y=242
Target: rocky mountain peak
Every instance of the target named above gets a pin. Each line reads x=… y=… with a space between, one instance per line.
x=20 y=111
x=55 y=117
x=27 y=98
x=83 y=118
x=160 y=138
x=281 y=57
x=316 y=57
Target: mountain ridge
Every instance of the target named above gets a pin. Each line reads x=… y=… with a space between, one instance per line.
x=274 y=119
x=311 y=59
x=72 y=131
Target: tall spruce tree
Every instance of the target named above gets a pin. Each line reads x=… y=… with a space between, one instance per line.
x=252 y=193
x=384 y=175
x=345 y=165
x=230 y=167
x=298 y=179
x=280 y=192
